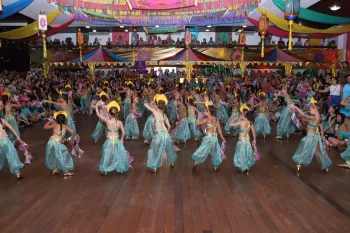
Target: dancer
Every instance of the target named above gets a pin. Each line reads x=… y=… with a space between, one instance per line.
x=221 y=113
x=161 y=143
x=65 y=106
x=210 y=143
x=131 y=126
x=7 y=112
x=182 y=131
x=285 y=124
x=312 y=143
x=346 y=154
x=173 y=116
x=57 y=156
x=234 y=117
x=243 y=158
x=148 y=129
x=8 y=151
x=101 y=126
x=84 y=101
x=192 y=120
x=114 y=156
x=127 y=101
x=262 y=124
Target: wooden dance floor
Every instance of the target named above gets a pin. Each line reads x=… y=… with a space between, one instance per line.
x=271 y=198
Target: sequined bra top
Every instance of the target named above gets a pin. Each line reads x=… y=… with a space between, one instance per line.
x=208 y=126
x=114 y=131
x=312 y=125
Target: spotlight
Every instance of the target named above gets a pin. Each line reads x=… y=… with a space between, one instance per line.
x=87 y=26
x=244 y=26
x=126 y=30
x=157 y=26
x=121 y=26
x=209 y=26
x=207 y=30
x=334 y=8
x=94 y=30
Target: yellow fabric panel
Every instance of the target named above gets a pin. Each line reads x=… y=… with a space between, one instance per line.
x=29 y=30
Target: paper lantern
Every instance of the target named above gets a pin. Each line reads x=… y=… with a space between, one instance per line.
x=291 y=11
x=263 y=28
x=42 y=26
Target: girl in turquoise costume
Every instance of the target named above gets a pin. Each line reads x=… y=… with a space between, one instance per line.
x=312 y=143
x=182 y=131
x=148 y=129
x=192 y=120
x=174 y=108
x=243 y=158
x=114 y=156
x=131 y=126
x=57 y=156
x=198 y=98
x=262 y=124
x=221 y=113
x=210 y=143
x=101 y=126
x=234 y=117
x=6 y=98
x=346 y=154
x=84 y=101
x=285 y=124
x=66 y=107
x=161 y=144
x=127 y=101
x=8 y=151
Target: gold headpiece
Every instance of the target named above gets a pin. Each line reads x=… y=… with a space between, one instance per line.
x=244 y=106
x=7 y=93
x=313 y=101
x=68 y=86
x=128 y=83
x=163 y=98
x=61 y=92
x=155 y=97
x=113 y=104
x=262 y=93
x=59 y=113
x=197 y=88
x=208 y=103
x=105 y=83
x=102 y=93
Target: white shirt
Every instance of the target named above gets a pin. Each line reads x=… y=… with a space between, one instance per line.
x=335 y=90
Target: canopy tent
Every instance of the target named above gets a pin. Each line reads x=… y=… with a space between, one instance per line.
x=97 y=55
x=278 y=55
x=190 y=54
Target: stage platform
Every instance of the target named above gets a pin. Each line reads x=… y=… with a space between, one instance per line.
x=271 y=198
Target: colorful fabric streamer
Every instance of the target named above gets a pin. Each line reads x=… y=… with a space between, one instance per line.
x=14 y=8
x=283 y=24
x=28 y=156
x=256 y=153
x=29 y=30
x=295 y=118
x=50 y=32
x=74 y=142
x=315 y=16
x=223 y=150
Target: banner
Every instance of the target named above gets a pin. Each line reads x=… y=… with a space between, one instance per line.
x=14 y=8
x=223 y=36
x=42 y=19
x=140 y=67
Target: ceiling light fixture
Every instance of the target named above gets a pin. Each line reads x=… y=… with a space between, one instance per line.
x=334 y=8
x=209 y=26
x=94 y=30
x=207 y=30
x=126 y=30
x=244 y=26
x=157 y=26
x=239 y=30
x=121 y=26
x=87 y=26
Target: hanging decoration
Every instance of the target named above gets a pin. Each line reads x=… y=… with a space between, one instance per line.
x=291 y=12
x=242 y=41
x=144 y=55
x=263 y=28
x=288 y=68
x=80 y=41
x=29 y=30
x=42 y=26
x=315 y=16
x=281 y=23
x=188 y=37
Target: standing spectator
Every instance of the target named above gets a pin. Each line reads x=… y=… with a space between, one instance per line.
x=281 y=43
x=96 y=42
x=346 y=93
x=211 y=42
x=335 y=91
x=120 y=41
x=109 y=42
x=298 y=43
